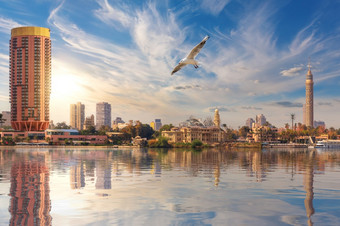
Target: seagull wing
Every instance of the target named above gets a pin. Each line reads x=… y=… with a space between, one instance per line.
x=197 y=48
x=177 y=68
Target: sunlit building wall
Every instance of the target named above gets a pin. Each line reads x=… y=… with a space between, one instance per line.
x=30 y=78
x=103 y=114
x=77 y=115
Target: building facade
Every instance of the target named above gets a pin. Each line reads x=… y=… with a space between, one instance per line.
x=260 y=120
x=30 y=78
x=103 y=114
x=207 y=135
x=6 y=115
x=309 y=107
x=77 y=115
x=89 y=121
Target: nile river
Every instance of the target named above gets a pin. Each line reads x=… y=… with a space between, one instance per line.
x=103 y=186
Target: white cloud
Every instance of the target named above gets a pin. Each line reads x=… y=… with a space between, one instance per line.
x=6 y=24
x=214 y=6
x=292 y=71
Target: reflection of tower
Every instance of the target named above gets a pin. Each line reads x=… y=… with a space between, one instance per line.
x=77 y=176
x=217 y=174
x=103 y=175
x=30 y=203
x=308 y=183
x=217 y=121
x=309 y=98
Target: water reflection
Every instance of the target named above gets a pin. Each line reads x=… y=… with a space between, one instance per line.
x=183 y=182
x=30 y=200
x=308 y=183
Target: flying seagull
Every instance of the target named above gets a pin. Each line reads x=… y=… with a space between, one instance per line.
x=190 y=59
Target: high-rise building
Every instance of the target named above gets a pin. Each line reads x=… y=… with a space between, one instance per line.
x=260 y=120
x=158 y=124
x=309 y=111
x=217 y=121
x=89 y=121
x=6 y=115
x=250 y=122
x=77 y=116
x=103 y=114
x=30 y=78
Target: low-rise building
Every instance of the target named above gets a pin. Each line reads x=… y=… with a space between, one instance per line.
x=207 y=135
x=59 y=136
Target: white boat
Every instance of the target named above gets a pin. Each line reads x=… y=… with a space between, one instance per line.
x=328 y=144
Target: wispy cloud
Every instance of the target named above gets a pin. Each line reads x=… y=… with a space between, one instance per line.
x=6 y=24
x=294 y=71
x=214 y=6
x=288 y=104
x=251 y=108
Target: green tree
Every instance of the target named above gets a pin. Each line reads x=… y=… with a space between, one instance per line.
x=196 y=143
x=62 y=125
x=162 y=142
x=243 y=131
x=166 y=127
x=103 y=129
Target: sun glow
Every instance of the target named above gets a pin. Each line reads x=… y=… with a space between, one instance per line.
x=65 y=87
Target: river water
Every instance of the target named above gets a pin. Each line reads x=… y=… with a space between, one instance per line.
x=103 y=186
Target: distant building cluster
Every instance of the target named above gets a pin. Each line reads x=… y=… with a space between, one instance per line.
x=30 y=82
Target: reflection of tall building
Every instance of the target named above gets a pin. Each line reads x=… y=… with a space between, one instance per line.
x=77 y=176
x=308 y=183
x=30 y=194
x=103 y=177
x=30 y=78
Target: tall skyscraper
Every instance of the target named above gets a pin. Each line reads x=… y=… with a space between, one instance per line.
x=309 y=111
x=30 y=78
x=217 y=120
x=158 y=124
x=103 y=114
x=77 y=116
x=260 y=120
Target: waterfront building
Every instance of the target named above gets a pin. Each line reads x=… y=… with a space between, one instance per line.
x=6 y=115
x=89 y=121
x=59 y=136
x=77 y=115
x=207 y=135
x=250 y=122
x=309 y=111
x=264 y=133
x=103 y=114
x=30 y=78
x=217 y=120
x=260 y=120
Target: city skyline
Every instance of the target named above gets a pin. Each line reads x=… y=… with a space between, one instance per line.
x=122 y=53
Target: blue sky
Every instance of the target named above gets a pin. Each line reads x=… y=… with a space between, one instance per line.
x=123 y=52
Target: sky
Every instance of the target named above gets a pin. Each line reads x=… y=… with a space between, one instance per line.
x=123 y=51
